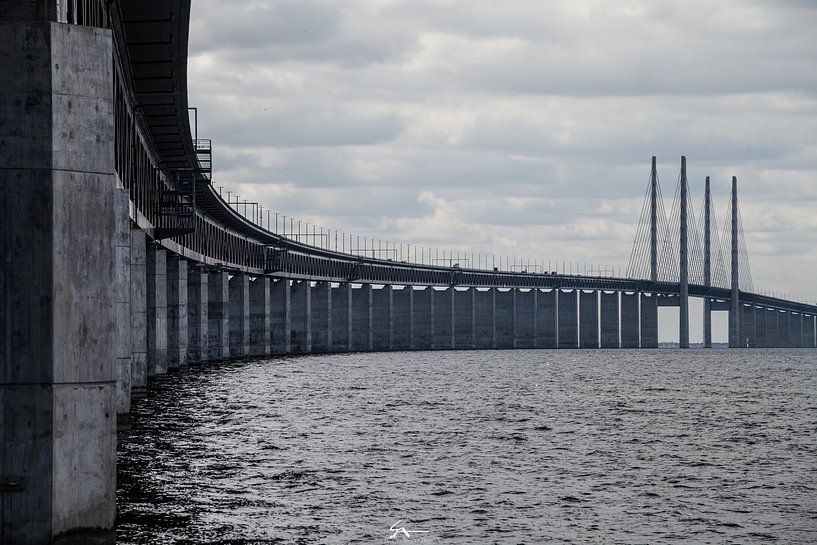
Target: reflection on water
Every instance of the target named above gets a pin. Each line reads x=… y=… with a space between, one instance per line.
x=478 y=447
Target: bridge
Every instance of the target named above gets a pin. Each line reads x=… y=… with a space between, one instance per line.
x=121 y=262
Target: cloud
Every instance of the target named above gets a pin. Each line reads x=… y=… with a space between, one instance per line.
x=518 y=127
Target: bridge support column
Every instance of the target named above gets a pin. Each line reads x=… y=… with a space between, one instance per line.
x=403 y=318
x=783 y=328
x=772 y=337
x=58 y=317
x=506 y=318
x=629 y=320
x=322 y=317
x=197 y=314
x=177 y=334
x=589 y=319
x=383 y=318
x=281 y=316
x=139 y=315
x=464 y=320
x=260 y=316
x=301 y=316
x=609 y=319
x=760 y=327
x=362 y=318
x=525 y=318
x=747 y=326
x=342 y=318
x=239 y=315
x=443 y=337
x=485 y=322
x=707 y=322
x=808 y=332
x=122 y=365
x=796 y=322
x=568 y=319
x=157 y=310
x=423 y=318
x=734 y=307
x=546 y=319
x=649 y=320
x=218 y=315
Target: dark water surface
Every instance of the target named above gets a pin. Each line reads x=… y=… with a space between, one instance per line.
x=661 y=446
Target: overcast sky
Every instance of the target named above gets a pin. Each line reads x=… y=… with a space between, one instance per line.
x=520 y=127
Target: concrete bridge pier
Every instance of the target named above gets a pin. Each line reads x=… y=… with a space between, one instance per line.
x=177 y=326
x=218 y=315
x=322 y=317
x=525 y=318
x=546 y=319
x=260 y=324
x=281 y=316
x=809 y=332
x=157 y=310
x=58 y=318
x=589 y=319
x=342 y=318
x=760 y=327
x=629 y=320
x=443 y=335
x=301 y=316
x=783 y=328
x=197 y=314
x=485 y=318
x=505 y=316
x=609 y=320
x=649 y=320
x=747 y=326
x=568 y=319
x=383 y=318
x=362 y=318
x=464 y=320
x=122 y=365
x=139 y=316
x=403 y=300
x=423 y=319
x=772 y=337
x=239 y=311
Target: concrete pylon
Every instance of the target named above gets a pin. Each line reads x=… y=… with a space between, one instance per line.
x=707 y=265
x=653 y=222
x=683 y=329
x=734 y=307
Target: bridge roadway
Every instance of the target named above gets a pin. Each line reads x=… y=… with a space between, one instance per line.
x=111 y=277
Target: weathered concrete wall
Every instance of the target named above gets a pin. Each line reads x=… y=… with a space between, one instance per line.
x=403 y=318
x=322 y=317
x=588 y=319
x=649 y=321
x=568 y=319
x=239 y=305
x=382 y=318
x=177 y=313
x=423 y=326
x=260 y=316
x=122 y=363
x=629 y=320
x=526 y=318
x=218 y=315
x=139 y=315
x=301 y=316
x=464 y=318
x=505 y=318
x=485 y=318
x=443 y=337
x=362 y=317
x=197 y=314
x=157 y=310
x=58 y=320
x=281 y=316
x=342 y=318
x=546 y=319
x=609 y=319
